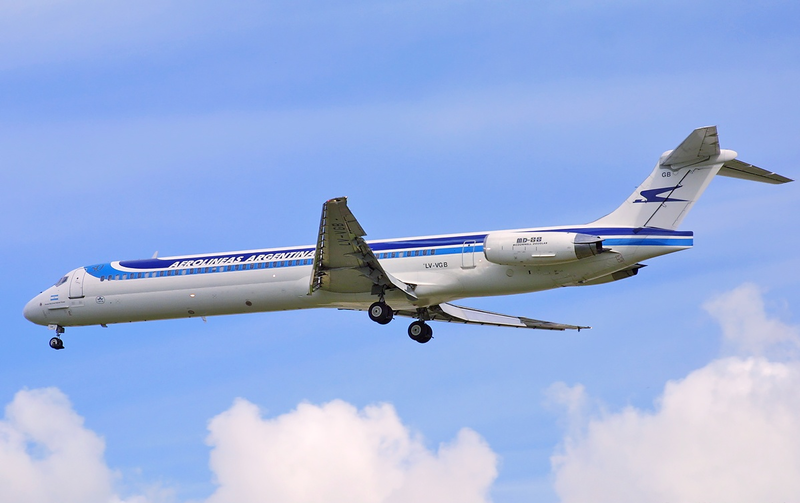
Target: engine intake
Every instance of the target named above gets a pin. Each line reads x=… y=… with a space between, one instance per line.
x=540 y=248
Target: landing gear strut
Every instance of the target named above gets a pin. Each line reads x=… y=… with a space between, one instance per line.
x=56 y=342
x=420 y=331
x=380 y=312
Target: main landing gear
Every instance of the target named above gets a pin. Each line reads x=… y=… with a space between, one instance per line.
x=56 y=342
x=420 y=331
x=380 y=312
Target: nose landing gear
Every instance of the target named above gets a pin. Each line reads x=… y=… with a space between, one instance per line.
x=56 y=342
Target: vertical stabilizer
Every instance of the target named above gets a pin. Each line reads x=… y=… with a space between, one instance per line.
x=678 y=180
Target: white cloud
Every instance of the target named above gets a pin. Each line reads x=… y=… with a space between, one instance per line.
x=574 y=401
x=746 y=328
x=335 y=452
x=729 y=431
x=46 y=454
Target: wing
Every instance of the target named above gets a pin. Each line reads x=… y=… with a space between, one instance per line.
x=457 y=314
x=343 y=261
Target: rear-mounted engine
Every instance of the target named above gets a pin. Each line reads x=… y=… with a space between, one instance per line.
x=540 y=248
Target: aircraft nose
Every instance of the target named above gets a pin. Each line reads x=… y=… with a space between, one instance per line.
x=33 y=311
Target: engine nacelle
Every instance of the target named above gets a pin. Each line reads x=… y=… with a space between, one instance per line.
x=540 y=248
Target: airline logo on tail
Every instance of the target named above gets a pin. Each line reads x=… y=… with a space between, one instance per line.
x=654 y=195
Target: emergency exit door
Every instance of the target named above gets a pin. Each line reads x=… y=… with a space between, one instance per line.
x=468 y=255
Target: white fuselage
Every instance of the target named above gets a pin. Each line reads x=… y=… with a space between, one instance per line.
x=443 y=268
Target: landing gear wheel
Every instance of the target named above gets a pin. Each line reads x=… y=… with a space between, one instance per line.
x=56 y=343
x=381 y=313
x=420 y=332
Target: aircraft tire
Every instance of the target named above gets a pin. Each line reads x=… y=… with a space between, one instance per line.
x=420 y=332
x=56 y=343
x=380 y=312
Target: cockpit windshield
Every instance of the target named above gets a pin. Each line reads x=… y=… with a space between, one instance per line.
x=62 y=280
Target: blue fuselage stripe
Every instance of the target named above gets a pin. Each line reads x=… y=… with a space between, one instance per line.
x=384 y=250
x=647 y=242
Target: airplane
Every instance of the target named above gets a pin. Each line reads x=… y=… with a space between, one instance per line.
x=414 y=277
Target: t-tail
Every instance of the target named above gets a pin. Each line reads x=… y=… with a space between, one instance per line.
x=664 y=199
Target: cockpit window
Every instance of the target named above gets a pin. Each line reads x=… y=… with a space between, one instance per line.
x=62 y=281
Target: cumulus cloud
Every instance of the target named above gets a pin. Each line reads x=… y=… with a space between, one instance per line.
x=47 y=455
x=729 y=431
x=746 y=328
x=334 y=452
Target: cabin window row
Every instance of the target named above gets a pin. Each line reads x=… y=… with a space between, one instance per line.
x=410 y=253
x=206 y=270
x=245 y=267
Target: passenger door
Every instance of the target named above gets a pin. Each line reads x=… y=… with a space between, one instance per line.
x=76 y=284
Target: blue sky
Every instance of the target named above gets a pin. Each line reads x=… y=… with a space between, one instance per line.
x=188 y=127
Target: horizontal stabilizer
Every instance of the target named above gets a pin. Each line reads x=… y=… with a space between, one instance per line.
x=679 y=178
x=698 y=146
x=739 y=169
x=458 y=314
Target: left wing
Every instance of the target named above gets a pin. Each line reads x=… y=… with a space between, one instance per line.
x=343 y=261
x=458 y=314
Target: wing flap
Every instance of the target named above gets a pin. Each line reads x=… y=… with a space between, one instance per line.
x=459 y=314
